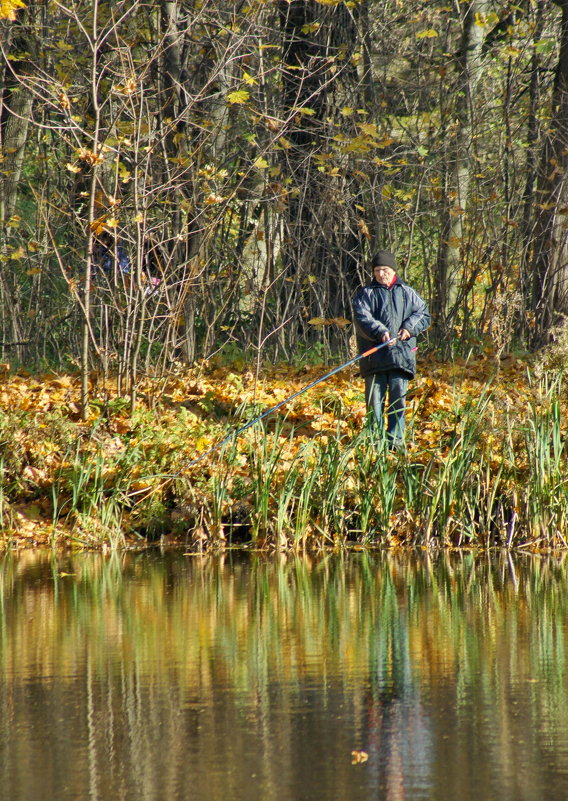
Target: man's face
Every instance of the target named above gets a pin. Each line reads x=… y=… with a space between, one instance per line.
x=384 y=275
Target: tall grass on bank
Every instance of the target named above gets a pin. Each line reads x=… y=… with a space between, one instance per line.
x=545 y=497
x=92 y=497
x=482 y=475
x=488 y=479
x=5 y=512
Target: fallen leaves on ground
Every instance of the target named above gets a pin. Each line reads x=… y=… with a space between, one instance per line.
x=208 y=404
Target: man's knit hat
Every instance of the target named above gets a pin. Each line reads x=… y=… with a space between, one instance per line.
x=384 y=258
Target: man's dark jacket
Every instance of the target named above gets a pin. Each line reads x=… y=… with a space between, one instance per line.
x=377 y=309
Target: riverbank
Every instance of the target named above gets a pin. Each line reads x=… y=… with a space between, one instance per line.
x=485 y=463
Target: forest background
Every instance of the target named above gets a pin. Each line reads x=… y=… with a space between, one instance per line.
x=247 y=158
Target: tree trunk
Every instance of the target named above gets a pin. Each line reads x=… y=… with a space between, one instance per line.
x=86 y=306
x=456 y=182
x=531 y=171
x=317 y=77
x=550 y=287
x=15 y=112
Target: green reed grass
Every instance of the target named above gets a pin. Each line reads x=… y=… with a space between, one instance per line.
x=284 y=495
x=466 y=490
x=83 y=494
x=545 y=490
x=265 y=452
x=220 y=492
x=306 y=511
x=334 y=467
x=363 y=500
x=5 y=511
x=3 y=502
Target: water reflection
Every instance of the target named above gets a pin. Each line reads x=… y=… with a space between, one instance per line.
x=162 y=676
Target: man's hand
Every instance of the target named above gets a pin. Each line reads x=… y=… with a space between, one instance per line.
x=385 y=337
x=403 y=334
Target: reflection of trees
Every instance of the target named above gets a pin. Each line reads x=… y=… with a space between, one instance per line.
x=157 y=665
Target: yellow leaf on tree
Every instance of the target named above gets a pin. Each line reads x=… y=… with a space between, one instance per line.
x=238 y=96
x=363 y=228
x=311 y=27
x=8 y=9
x=97 y=226
x=249 y=79
x=368 y=128
x=89 y=156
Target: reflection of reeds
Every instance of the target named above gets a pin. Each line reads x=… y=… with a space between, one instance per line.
x=250 y=621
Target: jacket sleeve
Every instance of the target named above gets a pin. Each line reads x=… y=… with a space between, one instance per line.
x=365 y=323
x=418 y=317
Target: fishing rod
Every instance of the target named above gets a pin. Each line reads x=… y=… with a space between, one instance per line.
x=273 y=409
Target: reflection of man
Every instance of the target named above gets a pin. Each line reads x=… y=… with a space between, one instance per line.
x=399 y=743
x=385 y=309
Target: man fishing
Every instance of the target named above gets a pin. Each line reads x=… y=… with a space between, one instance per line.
x=388 y=360
x=388 y=310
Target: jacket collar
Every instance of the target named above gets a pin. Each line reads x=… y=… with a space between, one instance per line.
x=396 y=282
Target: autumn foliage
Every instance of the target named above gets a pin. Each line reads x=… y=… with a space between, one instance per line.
x=485 y=463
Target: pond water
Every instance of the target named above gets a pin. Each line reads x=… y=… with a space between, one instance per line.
x=162 y=676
